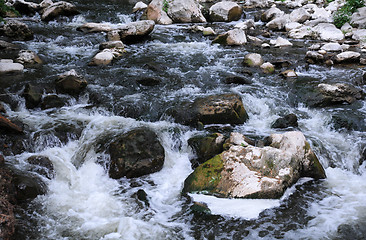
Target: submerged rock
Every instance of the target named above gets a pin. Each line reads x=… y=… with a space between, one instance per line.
x=246 y=171
x=71 y=82
x=28 y=187
x=32 y=95
x=289 y=120
x=225 y=11
x=17 y=30
x=53 y=101
x=42 y=165
x=57 y=9
x=135 y=154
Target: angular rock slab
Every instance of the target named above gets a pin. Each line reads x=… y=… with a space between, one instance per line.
x=246 y=171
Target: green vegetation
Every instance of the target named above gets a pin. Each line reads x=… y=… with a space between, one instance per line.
x=4 y=9
x=165 y=6
x=343 y=15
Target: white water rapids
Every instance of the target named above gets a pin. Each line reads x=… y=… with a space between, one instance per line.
x=82 y=202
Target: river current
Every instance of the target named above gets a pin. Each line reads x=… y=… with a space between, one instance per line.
x=82 y=202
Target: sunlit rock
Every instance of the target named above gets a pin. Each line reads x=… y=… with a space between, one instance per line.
x=348 y=56
x=278 y=23
x=57 y=9
x=246 y=171
x=94 y=27
x=271 y=14
x=358 y=18
x=267 y=68
x=135 y=31
x=232 y=37
x=139 y=6
x=253 y=60
x=28 y=57
x=17 y=30
x=225 y=11
x=332 y=47
x=329 y=32
x=299 y=15
x=71 y=82
x=281 y=42
x=8 y=66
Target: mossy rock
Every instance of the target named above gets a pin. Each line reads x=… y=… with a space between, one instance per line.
x=206 y=177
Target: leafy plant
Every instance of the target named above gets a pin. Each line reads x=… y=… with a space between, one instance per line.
x=4 y=9
x=165 y=6
x=343 y=15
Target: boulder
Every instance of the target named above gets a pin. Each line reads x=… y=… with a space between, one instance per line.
x=359 y=34
x=27 y=57
x=332 y=47
x=299 y=15
x=302 y=32
x=253 y=60
x=135 y=154
x=221 y=109
x=185 y=11
x=271 y=13
x=27 y=8
x=232 y=37
x=139 y=6
x=136 y=31
x=314 y=57
x=112 y=45
x=53 y=101
x=57 y=9
x=41 y=165
x=247 y=24
x=32 y=95
x=214 y=109
x=17 y=30
x=71 y=83
x=28 y=187
x=267 y=68
x=289 y=74
x=45 y=4
x=281 y=42
x=180 y=11
x=206 y=147
x=246 y=171
x=156 y=13
x=347 y=56
x=358 y=19
x=94 y=27
x=289 y=120
x=332 y=94
x=329 y=32
x=225 y=11
x=292 y=25
x=7 y=126
x=7 y=66
x=106 y=56
x=278 y=23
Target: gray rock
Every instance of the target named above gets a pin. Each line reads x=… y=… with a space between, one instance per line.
x=253 y=60
x=299 y=15
x=136 y=31
x=329 y=32
x=271 y=13
x=7 y=66
x=348 y=56
x=28 y=57
x=358 y=18
x=332 y=47
x=94 y=27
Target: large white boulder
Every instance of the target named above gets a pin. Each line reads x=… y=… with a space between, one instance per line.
x=8 y=66
x=329 y=32
x=358 y=18
x=225 y=11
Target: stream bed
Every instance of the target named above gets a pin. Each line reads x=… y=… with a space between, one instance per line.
x=82 y=202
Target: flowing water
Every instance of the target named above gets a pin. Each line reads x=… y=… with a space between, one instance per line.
x=82 y=202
